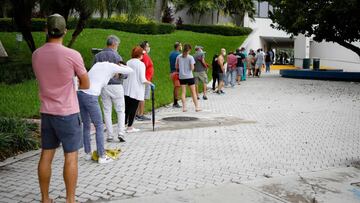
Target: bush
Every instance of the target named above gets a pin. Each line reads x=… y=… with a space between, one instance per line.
x=7 y=25
x=15 y=72
x=216 y=29
x=16 y=136
x=146 y=28
x=124 y=18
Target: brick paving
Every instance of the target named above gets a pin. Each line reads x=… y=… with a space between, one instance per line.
x=301 y=126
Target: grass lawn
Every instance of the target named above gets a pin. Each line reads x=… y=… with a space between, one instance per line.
x=21 y=100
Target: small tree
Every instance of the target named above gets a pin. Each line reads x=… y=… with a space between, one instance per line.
x=168 y=15
x=332 y=20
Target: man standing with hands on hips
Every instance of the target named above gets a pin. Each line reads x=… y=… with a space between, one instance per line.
x=55 y=66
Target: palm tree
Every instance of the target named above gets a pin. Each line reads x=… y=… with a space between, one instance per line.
x=195 y=7
x=237 y=9
x=84 y=9
x=219 y=7
x=101 y=8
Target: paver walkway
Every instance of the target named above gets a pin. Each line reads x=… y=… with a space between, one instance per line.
x=300 y=126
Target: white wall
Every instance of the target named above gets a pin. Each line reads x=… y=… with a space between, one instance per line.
x=333 y=55
x=261 y=28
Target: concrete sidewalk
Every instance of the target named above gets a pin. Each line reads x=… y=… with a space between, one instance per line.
x=268 y=127
x=330 y=186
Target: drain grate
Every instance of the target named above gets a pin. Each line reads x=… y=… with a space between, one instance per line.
x=180 y=118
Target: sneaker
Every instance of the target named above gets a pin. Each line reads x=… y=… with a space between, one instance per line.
x=110 y=138
x=121 y=137
x=88 y=157
x=138 y=118
x=222 y=92
x=176 y=106
x=132 y=130
x=205 y=97
x=105 y=159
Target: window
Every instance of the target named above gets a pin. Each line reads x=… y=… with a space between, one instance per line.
x=262 y=9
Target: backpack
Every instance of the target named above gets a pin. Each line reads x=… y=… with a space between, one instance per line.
x=214 y=61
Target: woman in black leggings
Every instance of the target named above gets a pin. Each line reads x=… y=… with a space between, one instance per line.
x=215 y=72
x=134 y=87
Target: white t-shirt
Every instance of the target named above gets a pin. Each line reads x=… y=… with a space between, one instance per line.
x=134 y=86
x=101 y=73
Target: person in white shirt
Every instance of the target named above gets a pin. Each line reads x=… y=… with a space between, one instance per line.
x=99 y=76
x=134 y=87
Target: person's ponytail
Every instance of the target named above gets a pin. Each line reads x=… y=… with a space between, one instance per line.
x=186 y=49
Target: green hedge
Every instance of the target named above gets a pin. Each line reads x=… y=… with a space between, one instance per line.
x=216 y=29
x=15 y=72
x=7 y=25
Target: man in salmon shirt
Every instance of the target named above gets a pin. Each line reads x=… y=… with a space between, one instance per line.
x=55 y=66
x=149 y=73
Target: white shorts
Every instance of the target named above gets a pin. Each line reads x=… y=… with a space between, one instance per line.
x=147 y=92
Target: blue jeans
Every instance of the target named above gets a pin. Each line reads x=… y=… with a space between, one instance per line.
x=232 y=74
x=90 y=111
x=268 y=66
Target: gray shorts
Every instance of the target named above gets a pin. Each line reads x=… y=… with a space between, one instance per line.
x=147 y=92
x=221 y=76
x=61 y=129
x=239 y=71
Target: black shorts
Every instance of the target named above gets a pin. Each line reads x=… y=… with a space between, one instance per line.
x=61 y=129
x=190 y=81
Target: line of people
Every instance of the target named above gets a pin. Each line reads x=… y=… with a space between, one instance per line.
x=69 y=99
x=68 y=106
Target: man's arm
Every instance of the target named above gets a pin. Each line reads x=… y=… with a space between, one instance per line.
x=177 y=64
x=84 y=82
x=203 y=62
x=221 y=63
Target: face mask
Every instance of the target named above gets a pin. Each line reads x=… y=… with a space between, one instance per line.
x=148 y=49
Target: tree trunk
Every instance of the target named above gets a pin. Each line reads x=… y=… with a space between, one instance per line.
x=239 y=20
x=79 y=27
x=349 y=46
x=218 y=16
x=22 y=17
x=212 y=17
